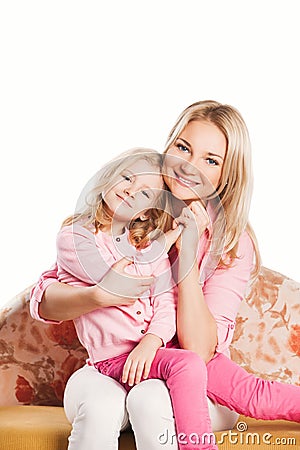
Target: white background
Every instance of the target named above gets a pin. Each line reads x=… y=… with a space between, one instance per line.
x=82 y=81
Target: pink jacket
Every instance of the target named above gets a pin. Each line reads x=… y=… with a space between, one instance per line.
x=83 y=259
x=223 y=290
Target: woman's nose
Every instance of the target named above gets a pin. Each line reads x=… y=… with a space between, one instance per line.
x=189 y=168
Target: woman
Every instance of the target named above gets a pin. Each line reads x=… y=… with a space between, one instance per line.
x=207 y=155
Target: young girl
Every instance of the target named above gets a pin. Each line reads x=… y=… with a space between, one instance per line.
x=127 y=342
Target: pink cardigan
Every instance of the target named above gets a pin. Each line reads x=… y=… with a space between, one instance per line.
x=223 y=291
x=83 y=259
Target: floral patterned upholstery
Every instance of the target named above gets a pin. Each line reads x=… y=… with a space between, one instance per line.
x=36 y=359
x=266 y=340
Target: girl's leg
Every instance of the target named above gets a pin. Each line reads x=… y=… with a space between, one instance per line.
x=230 y=385
x=151 y=416
x=95 y=405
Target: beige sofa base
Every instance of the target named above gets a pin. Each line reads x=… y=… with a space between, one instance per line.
x=46 y=428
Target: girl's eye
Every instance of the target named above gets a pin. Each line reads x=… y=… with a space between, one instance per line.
x=212 y=162
x=182 y=148
x=145 y=193
x=126 y=177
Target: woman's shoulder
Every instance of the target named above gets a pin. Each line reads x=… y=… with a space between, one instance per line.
x=245 y=244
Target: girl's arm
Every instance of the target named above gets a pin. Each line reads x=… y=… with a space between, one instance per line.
x=162 y=326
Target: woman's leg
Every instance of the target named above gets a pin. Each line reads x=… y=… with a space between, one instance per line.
x=232 y=386
x=151 y=416
x=95 y=406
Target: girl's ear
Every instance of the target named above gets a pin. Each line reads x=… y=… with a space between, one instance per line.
x=143 y=217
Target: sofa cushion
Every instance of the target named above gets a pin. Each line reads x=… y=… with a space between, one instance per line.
x=46 y=428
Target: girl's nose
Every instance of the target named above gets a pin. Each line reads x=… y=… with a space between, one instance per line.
x=127 y=192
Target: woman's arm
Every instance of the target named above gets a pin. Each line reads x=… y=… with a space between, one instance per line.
x=221 y=296
x=56 y=302
x=61 y=301
x=196 y=326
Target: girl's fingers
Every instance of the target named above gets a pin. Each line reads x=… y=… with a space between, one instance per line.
x=126 y=370
x=139 y=373
x=147 y=368
x=132 y=373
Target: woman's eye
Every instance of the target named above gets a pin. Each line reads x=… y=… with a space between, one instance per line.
x=212 y=162
x=126 y=177
x=183 y=148
x=145 y=193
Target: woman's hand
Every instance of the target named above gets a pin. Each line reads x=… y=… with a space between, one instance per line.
x=119 y=288
x=138 y=362
x=194 y=220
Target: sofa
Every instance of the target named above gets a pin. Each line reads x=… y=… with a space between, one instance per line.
x=36 y=360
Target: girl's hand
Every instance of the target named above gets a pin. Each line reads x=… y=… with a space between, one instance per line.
x=138 y=362
x=120 y=288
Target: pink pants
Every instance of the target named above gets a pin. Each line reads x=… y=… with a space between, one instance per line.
x=182 y=371
x=230 y=385
x=189 y=381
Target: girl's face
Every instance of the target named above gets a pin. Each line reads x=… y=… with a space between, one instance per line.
x=134 y=191
x=193 y=163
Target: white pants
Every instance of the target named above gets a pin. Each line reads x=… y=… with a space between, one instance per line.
x=98 y=408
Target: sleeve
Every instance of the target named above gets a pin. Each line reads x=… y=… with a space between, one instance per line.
x=79 y=258
x=163 y=322
x=225 y=289
x=48 y=277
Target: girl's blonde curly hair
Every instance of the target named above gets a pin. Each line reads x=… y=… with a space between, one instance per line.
x=96 y=214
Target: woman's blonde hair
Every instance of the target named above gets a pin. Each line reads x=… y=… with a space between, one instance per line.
x=236 y=182
x=96 y=214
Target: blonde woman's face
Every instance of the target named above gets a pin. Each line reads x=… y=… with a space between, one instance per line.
x=135 y=191
x=194 y=162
